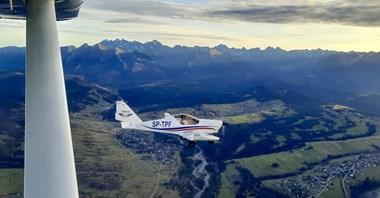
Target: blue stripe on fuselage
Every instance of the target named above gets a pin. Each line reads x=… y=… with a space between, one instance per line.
x=181 y=128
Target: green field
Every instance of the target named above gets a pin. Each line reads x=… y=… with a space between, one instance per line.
x=372 y=173
x=249 y=111
x=249 y=118
x=360 y=127
x=335 y=191
x=104 y=167
x=227 y=188
x=292 y=161
x=11 y=182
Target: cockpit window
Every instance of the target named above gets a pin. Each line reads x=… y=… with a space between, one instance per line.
x=187 y=119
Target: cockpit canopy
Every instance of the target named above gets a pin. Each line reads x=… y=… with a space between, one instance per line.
x=186 y=119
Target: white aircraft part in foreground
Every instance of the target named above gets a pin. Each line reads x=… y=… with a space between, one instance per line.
x=49 y=158
x=184 y=125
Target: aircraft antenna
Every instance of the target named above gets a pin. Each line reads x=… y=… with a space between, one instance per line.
x=11 y=5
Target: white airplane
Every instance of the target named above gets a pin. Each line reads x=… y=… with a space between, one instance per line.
x=184 y=125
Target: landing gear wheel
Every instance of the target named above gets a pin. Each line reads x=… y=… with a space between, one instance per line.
x=191 y=144
x=211 y=141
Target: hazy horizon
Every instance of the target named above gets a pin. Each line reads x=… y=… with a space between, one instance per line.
x=214 y=46
x=327 y=24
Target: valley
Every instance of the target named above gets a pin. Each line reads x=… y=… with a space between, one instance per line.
x=114 y=162
x=294 y=127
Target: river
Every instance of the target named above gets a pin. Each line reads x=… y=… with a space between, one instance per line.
x=200 y=172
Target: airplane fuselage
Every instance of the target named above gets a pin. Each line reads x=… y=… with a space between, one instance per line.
x=172 y=126
x=184 y=125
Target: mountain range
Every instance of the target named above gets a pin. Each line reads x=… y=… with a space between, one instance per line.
x=120 y=63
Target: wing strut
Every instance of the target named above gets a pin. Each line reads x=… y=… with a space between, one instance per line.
x=49 y=157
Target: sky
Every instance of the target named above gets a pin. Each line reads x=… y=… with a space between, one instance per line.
x=342 y=25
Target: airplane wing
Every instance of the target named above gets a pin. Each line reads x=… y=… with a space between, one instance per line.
x=16 y=9
x=194 y=136
x=189 y=136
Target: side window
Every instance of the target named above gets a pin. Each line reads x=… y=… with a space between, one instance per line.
x=186 y=120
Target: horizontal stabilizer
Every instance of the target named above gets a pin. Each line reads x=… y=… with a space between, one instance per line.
x=125 y=125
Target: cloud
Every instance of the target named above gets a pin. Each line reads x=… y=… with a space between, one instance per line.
x=20 y=24
x=345 y=12
x=180 y=36
x=135 y=20
x=145 y=8
x=336 y=12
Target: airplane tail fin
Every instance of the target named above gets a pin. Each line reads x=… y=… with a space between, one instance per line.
x=126 y=116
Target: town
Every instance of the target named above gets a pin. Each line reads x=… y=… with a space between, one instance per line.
x=321 y=177
x=147 y=147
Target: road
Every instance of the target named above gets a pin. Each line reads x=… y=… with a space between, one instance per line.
x=158 y=181
x=344 y=178
x=327 y=184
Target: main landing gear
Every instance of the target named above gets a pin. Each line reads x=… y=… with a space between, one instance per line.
x=191 y=144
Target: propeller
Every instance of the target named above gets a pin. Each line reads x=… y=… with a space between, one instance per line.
x=223 y=129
